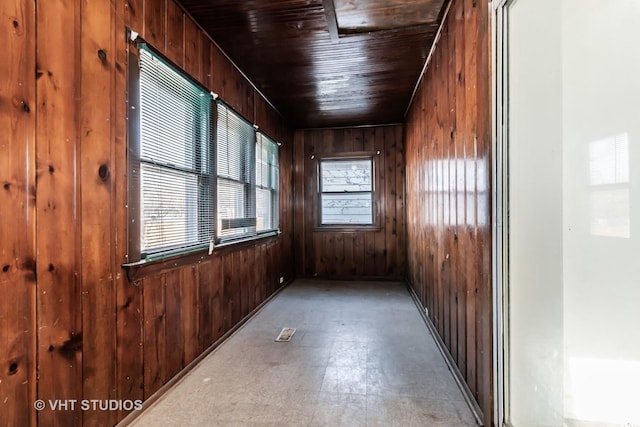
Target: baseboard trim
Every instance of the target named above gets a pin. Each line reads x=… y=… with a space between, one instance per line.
x=183 y=373
x=453 y=367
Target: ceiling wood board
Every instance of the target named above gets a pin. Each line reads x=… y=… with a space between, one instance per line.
x=315 y=80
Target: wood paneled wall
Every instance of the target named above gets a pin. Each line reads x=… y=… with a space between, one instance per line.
x=72 y=326
x=448 y=194
x=350 y=254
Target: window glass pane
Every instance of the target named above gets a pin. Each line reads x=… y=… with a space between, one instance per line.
x=169 y=212
x=346 y=175
x=235 y=142
x=346 y=209
x=346 y=192
x=232 y=201
x=264 y=220
x=266 y=183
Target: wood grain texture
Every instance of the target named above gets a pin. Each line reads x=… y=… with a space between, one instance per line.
x=174 y=40
x=59 y=301
x=17 y=215
x=352 y=253
x=154 y=20
x=448 y=192
x=98 y=296
x=287 y=49
x=155 y=334
x=69 y=313
x=129 y=358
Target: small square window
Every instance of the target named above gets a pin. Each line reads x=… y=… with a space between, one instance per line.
x=346 y=191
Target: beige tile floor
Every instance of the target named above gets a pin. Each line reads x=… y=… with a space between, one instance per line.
x=361 y=356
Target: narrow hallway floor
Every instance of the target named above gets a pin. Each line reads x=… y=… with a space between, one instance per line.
x=361 y=356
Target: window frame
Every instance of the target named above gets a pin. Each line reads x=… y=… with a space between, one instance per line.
x=134 y=162
x=246 y=181
x=135 y=265
x=375 y=191
x=274 y=191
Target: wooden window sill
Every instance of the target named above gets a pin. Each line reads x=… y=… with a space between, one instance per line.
x=141 y=269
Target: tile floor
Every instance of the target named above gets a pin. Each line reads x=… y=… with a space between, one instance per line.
x=361 y=356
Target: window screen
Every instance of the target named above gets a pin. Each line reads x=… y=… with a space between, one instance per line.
x=176 y=207
x=236 y=195
x=267 y=184
x=346 y=191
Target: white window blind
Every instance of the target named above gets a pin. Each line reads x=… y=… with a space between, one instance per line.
x=236 y=193
x=176 y=206
x=346 y=192
x=267 y=184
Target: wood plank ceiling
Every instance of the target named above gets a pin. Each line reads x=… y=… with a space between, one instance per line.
x=326 y=63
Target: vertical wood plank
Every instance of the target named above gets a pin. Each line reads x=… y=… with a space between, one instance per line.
x=459 y=135
x=390 y=214
x=155 y=334
x=399 y=170
x=206 y=60
x=227 y=271
x=380 y=252
x=154 y=18
x=174 y=40
x=189 y=313
x=369 y=254
x=99 y=304
x=299 y=209
x=205 y=306
x=269 y=268
x=217 y=300
x=132 y=13
x=129 y=326
x=193 y=50
x=368 y=139
x=470 y=200
x=59 y=291
x=130 y=343
x=219 y=72
x=483 y=160
x=243 y=272
x=323 y=260
x=310 y=203
x=358 y=256
x=175 y=321
x=338 y=243
x=17 y=215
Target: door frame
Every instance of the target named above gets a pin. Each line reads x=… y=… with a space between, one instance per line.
x=500 y=200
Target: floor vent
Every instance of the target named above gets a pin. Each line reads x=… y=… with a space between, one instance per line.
x=286 y=334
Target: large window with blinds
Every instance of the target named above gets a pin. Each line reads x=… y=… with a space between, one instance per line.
x=247 y=178
x=173 y=158
x=199 y=173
